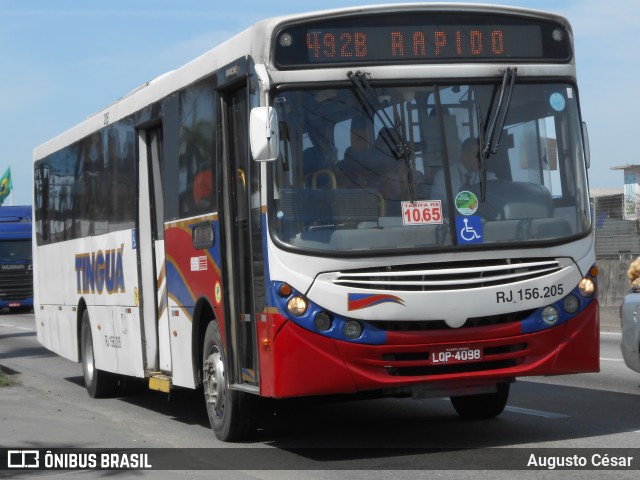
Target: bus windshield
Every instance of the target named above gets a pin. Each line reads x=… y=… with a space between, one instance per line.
x=369 y=168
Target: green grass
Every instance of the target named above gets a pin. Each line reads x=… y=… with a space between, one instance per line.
x=5 y=381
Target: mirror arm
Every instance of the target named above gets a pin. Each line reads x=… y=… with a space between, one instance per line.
x=263 y=78
x=266 y=101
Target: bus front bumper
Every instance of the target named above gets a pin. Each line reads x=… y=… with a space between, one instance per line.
x=298 y=362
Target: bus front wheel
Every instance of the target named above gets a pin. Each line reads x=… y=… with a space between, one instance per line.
x=485 y=405
x=98 y=382
x=232 y=413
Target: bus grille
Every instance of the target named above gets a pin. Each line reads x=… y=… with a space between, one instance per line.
x=436 y=325
x=450 y=369
x=448 y=275
x=16 y=282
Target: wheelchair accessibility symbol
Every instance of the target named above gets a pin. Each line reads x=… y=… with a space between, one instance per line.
x=469 y=229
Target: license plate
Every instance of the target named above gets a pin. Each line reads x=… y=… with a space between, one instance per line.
x=451 y=355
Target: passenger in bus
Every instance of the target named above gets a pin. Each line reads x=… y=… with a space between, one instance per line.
x=322 y=155
x=354 y=171
x=464 y=173
x=391 y=173
x=203 y=188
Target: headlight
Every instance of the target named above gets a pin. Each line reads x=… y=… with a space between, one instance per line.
x=571 y=304
x=550 y=315
x=352 y=329
x=587 y=287
x=322 y=321
x=297 y=306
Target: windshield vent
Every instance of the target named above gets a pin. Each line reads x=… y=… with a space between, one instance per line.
x=448 y=275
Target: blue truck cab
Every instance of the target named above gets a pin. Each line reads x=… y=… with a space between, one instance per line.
x=16 y=260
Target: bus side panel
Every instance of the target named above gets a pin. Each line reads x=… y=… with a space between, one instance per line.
x=191 y=274
x=102 y=272
x=56 y=326
x=104 y=335
x=180 y=321
x=126 y=342
x=108 y=281
x=43 y=315
x=116 y=339
x=164 y=334
x=56 y=323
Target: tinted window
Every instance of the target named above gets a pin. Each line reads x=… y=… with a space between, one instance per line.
x=197 y=150
x=121 y=176
x=87 y=188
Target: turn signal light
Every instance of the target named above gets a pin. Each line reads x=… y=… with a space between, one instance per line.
x=285 y=290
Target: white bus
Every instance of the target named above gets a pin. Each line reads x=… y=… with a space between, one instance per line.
x=390 y=200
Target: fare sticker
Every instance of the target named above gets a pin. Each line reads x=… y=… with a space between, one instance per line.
x=422 y=212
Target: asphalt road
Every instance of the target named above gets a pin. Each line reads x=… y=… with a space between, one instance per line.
x=48 y=407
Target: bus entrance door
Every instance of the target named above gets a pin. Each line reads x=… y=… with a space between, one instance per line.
x=238 y=271
x=155 y=325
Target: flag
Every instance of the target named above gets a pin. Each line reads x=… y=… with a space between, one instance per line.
x=5 y=185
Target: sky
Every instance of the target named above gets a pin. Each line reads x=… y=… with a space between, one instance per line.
x=63 y=60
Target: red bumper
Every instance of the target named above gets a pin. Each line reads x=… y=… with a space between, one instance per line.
x=297 y=362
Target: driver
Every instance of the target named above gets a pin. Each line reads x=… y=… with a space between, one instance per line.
x=463 y=173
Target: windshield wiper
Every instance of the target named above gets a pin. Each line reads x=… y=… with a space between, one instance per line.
x=488 y=143
x=391 y=131
x=482 y=161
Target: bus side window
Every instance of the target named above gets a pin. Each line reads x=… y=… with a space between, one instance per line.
x=196 y=147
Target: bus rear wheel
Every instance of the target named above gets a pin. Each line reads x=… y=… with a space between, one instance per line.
x=98 y=382
x=232 y=414
x=485 y=405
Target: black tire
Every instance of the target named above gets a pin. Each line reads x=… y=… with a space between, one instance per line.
x=99 y=383
x=232 y=414
x=485 y=405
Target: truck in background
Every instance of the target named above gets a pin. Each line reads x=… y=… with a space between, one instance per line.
x=16 y=264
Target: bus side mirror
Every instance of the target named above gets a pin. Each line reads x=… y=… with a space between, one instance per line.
x=263 y=131
x=585 y=141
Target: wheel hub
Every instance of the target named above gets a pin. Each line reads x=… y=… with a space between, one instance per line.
x=88 y=359
x=214 y=383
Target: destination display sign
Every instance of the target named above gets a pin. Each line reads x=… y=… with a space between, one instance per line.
x=419 y=38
